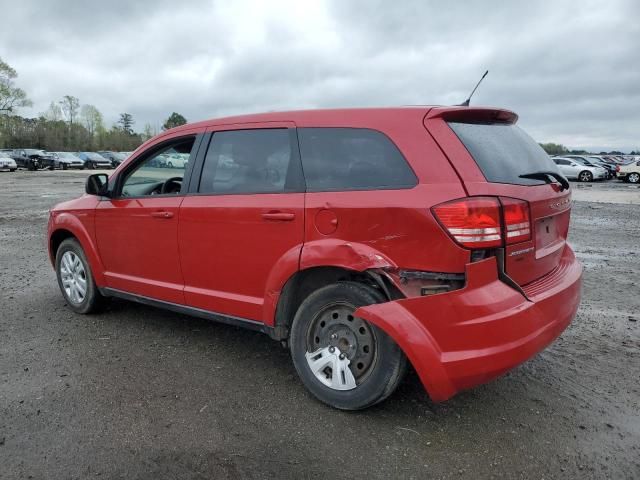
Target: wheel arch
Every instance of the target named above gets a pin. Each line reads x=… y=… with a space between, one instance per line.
x=304 y=282
x=68 y=226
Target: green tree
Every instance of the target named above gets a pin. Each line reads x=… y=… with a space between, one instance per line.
x=126 y=123
x=70 y=106
x=11 y=97
x=53 y=113
x=554 y=148
x=91 y=119
x=174 y=120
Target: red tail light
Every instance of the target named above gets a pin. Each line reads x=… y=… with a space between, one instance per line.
x=516 y=220
x=472 y=222
x=484 y=222
x=617 y=168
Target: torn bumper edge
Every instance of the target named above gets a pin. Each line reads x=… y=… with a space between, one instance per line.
x=466 y=337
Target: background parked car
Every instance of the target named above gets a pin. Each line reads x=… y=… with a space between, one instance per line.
x=94 y=160
x=177 y=160
x=7 y=163
x=66 y=160
x=116 y=157
x=31 y=158
x=584 y=160
x=573 y=169
x=629 y=172
x=600 y=162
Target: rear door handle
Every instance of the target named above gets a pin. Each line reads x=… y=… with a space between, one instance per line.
x=279 y=216
x=162 y=214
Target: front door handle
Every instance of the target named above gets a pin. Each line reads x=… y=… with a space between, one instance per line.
x=279 y=216
x=162 y=214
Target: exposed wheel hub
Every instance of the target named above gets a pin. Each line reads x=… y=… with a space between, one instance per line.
x=340 y=347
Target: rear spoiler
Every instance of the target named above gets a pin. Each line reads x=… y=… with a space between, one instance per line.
x=473 y=115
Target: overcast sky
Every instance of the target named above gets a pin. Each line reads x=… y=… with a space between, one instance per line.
x=570 y=69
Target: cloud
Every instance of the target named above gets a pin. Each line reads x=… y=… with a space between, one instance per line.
x=569 y=69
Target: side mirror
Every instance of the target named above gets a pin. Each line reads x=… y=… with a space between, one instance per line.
x=97 y=184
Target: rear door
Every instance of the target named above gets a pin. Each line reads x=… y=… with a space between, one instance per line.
x=244 y=214
x=490 y=153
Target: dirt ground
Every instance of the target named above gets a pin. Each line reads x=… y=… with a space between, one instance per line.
x=138 y=392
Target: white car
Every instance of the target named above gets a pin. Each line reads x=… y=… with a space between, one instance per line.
x=177 y=160
x=574 y=169
x=629 y=172
x=7 y=163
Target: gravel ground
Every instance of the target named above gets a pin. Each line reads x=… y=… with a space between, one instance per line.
x=137 y=392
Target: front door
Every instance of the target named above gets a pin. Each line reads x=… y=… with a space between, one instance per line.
x=246 y=215
x=137 y=228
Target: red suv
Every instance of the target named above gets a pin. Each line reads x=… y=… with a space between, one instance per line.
x=361 y=238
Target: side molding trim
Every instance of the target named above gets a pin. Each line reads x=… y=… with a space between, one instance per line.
x=190 y=311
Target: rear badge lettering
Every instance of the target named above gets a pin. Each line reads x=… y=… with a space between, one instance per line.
x=520 y=252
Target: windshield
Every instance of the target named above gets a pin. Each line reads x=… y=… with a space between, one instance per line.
x=504 y=152
x=31 y=151
x=94 y=156
x=68 y=155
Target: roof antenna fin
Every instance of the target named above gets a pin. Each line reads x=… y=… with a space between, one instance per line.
x=466 y=102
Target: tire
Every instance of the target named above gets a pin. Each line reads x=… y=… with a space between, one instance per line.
x=65 y=166
x=382 y=364
x=92 y=300
x=169 y=165
x=585 y=176
x=91 y=166
x=633 y=177
x=12 y=169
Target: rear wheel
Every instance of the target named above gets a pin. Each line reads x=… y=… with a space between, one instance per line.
x=633 y=177
x=585 y=176
x=75 y=279
x=65 y=166
x=343 y=360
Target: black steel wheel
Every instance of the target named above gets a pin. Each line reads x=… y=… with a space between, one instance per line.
x=343 y=360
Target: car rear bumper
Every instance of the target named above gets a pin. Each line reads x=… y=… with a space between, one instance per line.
x=467 y=337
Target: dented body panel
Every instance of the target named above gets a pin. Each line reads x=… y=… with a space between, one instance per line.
x=463 y=338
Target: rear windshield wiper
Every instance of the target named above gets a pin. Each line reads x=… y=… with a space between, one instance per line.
x=544 y=176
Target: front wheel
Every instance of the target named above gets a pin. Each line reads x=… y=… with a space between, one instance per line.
x=585 y=176
x=75 y=279
x=343 y=360
x=633 y=177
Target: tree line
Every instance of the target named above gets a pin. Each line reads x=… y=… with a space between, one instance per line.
x=559 y=149
x=67 y=124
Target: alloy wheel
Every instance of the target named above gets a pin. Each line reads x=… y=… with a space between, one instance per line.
x=74 y=277
x=585 y=177
x=634 y=177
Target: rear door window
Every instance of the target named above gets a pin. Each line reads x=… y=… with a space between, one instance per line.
x=249 y=161
x=352 y=159
x=503 y=152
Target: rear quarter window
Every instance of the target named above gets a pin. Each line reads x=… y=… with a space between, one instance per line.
x=503 y=152
x=352 y=159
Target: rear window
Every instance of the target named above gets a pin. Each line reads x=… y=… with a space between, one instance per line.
x=503 y=152
x=352 y=159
